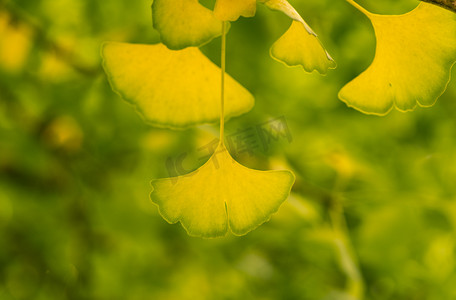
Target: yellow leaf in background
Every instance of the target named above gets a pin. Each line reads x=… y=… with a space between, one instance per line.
x=184 y=23
x=231 y=10
x=221 y=195
x=15 y=43
x=300 y=44
x=173 y=89
x=53 y=68
x=414 y=55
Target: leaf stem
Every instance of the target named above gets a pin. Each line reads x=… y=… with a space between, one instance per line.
x=359 y=7
x=222 y=96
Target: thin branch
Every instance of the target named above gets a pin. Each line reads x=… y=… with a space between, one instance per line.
x=334 y=204
x=345 y=250
x=448 y=4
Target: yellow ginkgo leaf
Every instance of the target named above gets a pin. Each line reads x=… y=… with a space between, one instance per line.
x=300 y=44
x=184 y=23
x=173 y=89
x=221 y=195
x=231 y=10
x=414 y=55
x=298 y=47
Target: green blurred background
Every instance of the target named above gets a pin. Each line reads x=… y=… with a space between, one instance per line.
x=372 y=214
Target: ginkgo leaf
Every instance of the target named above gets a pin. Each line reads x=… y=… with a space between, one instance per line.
x=414 y=55
x=298 y=47
x=300 y=44
x=169 y=88
x=231 y=10
x=221 y=195
x=184 y=23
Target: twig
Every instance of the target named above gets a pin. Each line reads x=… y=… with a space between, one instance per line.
x=448 y=4
x=347 y=257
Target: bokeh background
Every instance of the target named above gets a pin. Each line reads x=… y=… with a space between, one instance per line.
x=372 y=214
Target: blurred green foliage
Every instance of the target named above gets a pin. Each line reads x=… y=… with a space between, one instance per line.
x=76 y=161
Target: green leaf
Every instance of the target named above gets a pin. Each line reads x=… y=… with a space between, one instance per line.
x=300 y=44
x=221 y=195
x=231 y=10
x=414 y=55
x=173 y=89
x=184 y=23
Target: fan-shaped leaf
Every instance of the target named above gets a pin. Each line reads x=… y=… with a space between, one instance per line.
x=300 y=44
x=170 y=88
x=298 y=47
x=414 y=56
x=221 y=195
